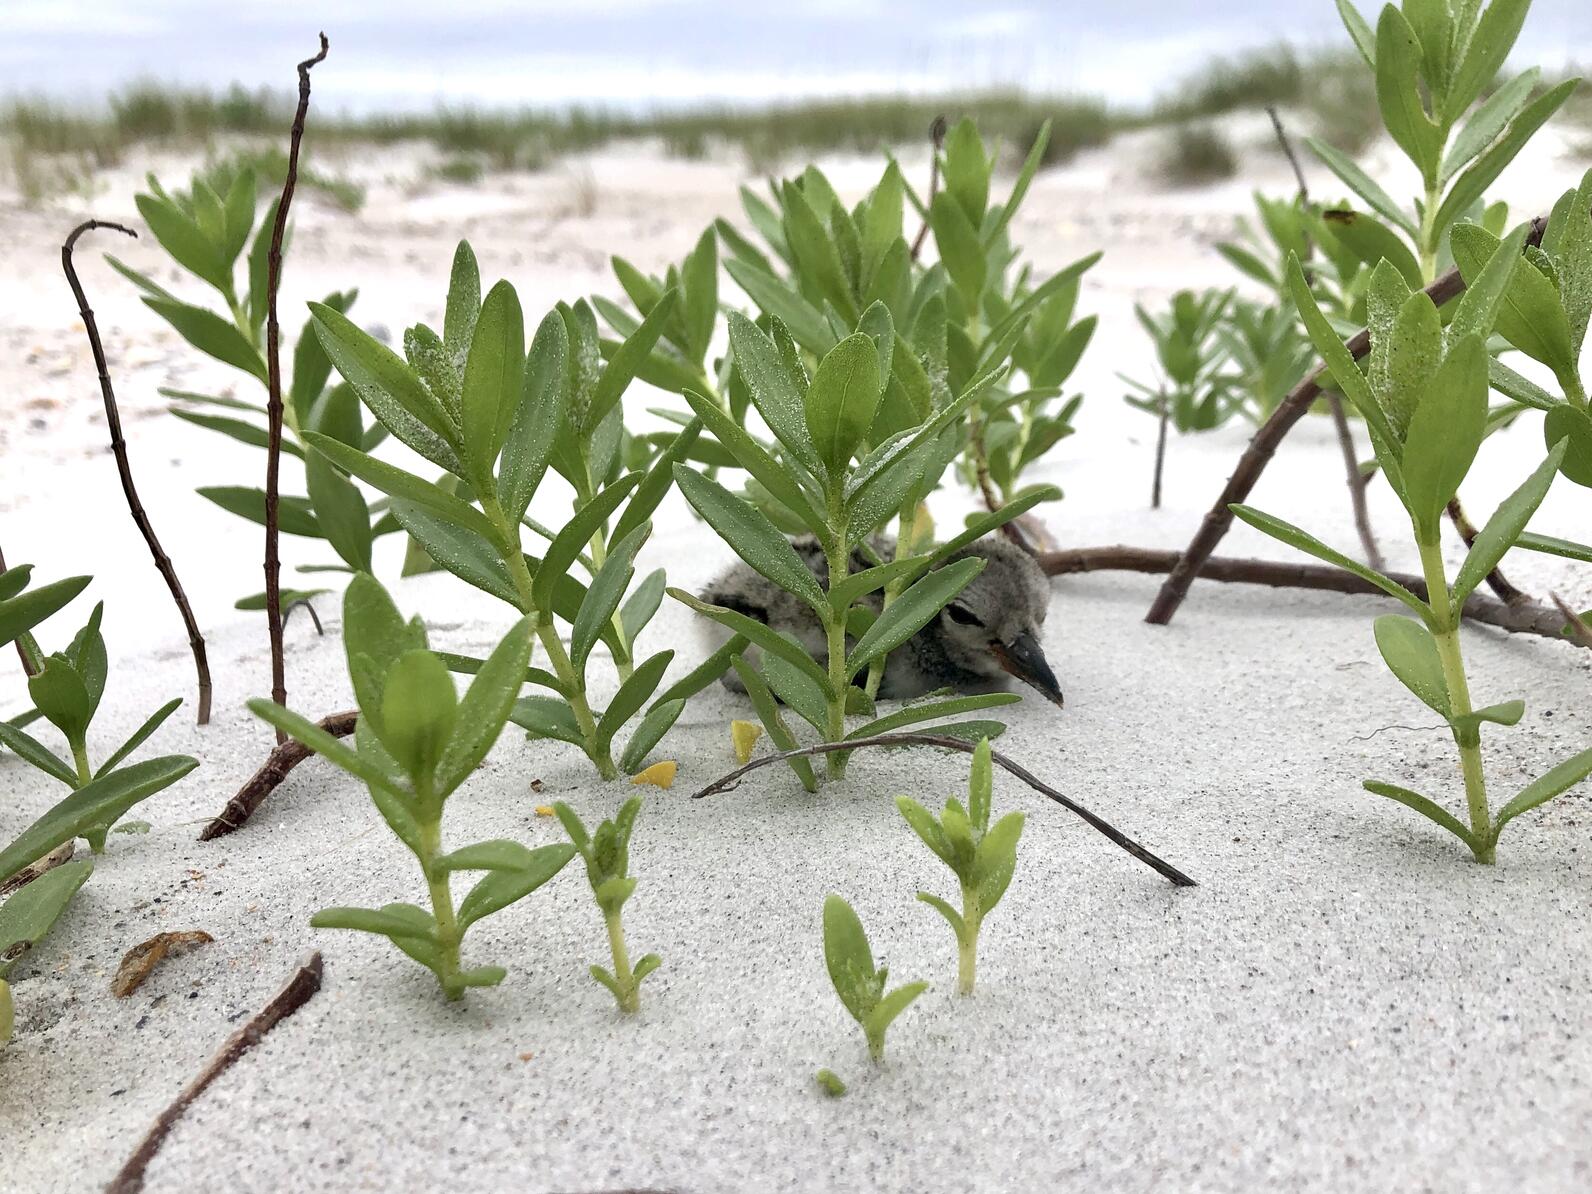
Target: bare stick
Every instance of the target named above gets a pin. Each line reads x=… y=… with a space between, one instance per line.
x=1357 y=483
x=113 y=420
x=277 y=768
x=1496 y=581
x=1264 y=445
x=937 y=140
x=304 y=604
x=1160 y=452
x=945 y=741
x=299 y=990
x=273 y=452
x=1579 y=630
x=1287 y=148
x=1526 y=617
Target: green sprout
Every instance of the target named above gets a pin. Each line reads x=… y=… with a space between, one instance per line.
x=66 y=688
x=607 y=857
x=415 y=744
x=982 y=857
x=829 y=1082
x=858 y=982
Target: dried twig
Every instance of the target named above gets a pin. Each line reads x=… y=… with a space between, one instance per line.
x=1526 y=617
x=1264 y=445
x=277 y=768
x=1287 y=148
x=937 y=140
x=1116 y=836
x=1357 y=481
x=1160 y=451
x=298 y=991
x=113 y=421
x=1496 y=581
x=304 y=604
x=273 y=457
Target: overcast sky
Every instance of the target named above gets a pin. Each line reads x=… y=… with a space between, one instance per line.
x=648 y=53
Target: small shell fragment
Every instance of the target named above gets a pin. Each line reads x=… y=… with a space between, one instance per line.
x=659 y=775
x=744 y=736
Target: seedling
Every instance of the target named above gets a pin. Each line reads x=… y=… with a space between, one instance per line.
x=495 y=417
x=829 y=1082
x=981 y=857
x=861 y=985
x=1424 y=402
x=1194 y=394
x=415 y=744
x=607 y=857
x=66 y=688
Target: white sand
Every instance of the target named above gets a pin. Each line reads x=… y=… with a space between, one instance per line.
x=1345 y=1003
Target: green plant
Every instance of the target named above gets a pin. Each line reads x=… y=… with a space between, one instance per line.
x=607 y=857
x=415 y=744
x=1432 y=61
x=495 y=418
x=205 y=233
x=27 y=916
x=66 y=688
x=981 y=856
x=1194 y=392
x=1545 y=313
x=1192 y=155
x=858 y=982
x=1424 y=401
x=816 y=482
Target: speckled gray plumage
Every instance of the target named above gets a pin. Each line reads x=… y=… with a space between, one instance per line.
x=1009 y=598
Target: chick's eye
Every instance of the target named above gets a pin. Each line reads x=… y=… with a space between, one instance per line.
x=963 y=616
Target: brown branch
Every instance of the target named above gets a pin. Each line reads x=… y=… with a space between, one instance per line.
x=1264 y=445
x=1496 y=581
x=1116 y=836
x=298 y=991
x=1160 y=451
x=273 y=455
x=113 y=421
x=1357 y=482
x=1526 y=617
x=1287 y=148
x=277 y=768
x=937 y=140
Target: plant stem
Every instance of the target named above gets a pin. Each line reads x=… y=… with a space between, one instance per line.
x=441 y=907
x=967 y=941
x=835 y=632
x=574 y=685
x=906 y=538
x=1468 y=741
x=624 y=977
x=1427 y=240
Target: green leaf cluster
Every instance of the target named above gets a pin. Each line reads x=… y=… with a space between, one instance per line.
x=981 y=856
x=862 y=985
x=416 y=742
x=607 y=856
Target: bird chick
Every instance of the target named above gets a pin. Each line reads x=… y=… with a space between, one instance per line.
x=989 y=633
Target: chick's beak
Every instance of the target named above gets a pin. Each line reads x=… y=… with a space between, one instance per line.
x=1023 y=658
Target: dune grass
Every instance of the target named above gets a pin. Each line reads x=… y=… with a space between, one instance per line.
x=51 y=145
